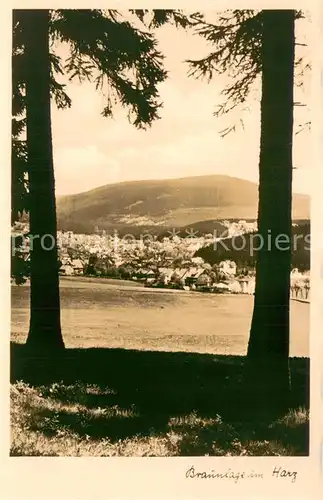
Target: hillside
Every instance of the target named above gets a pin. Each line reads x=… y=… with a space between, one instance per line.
x=164 y=203
x=242 y=249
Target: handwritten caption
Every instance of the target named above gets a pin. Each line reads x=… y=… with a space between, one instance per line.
x=277 y=472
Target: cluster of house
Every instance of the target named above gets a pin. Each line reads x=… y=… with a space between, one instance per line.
x=204 y=279
x=240 y=227
x=70 y=267
x=195 y=277
x=198 y=276
x=157 y=269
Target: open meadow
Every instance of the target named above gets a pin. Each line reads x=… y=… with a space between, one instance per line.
x=149 y=372
x=115 y=313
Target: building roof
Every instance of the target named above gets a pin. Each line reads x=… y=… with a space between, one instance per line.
x=77 y=263
x=66 y=261
x=180 y=272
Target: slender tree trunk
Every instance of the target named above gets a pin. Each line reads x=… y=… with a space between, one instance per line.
x=45 y=326
x=267 y=366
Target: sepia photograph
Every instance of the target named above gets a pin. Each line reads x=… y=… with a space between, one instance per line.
x=161 y=234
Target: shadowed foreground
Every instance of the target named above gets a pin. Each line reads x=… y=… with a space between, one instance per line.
x=104 y=402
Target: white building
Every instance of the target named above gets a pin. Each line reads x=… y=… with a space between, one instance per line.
x=228 y=267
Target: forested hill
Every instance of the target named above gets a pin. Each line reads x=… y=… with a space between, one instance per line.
x=243 y=249
x=163 y=204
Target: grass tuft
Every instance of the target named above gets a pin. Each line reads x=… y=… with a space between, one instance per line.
x=131 y=403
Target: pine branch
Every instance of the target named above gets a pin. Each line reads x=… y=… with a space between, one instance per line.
x=237 y=41
x=112 y=53
x=236 y=38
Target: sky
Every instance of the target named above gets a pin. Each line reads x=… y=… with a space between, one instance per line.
x=91 y=151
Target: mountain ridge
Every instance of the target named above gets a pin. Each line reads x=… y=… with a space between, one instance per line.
x=166 y=203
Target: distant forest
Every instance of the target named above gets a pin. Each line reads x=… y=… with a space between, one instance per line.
x=240 y=249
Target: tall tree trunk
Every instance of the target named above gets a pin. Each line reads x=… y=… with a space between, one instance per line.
x=45 y=325
x=267 y=366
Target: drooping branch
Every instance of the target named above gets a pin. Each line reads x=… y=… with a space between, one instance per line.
x=236 y=38
x=116 y=55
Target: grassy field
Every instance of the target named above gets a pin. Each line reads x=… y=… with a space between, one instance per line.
x=148 y=373
x=109 y=313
